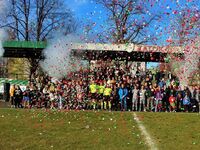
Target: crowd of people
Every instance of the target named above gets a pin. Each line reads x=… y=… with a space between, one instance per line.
x=108 y=88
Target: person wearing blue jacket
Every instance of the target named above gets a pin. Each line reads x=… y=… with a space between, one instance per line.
x=123 y=92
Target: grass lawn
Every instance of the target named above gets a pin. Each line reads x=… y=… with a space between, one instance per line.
x=173 y=131
x=40 y=129
x=37 y=129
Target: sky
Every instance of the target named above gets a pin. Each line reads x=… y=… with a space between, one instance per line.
x=87 y=11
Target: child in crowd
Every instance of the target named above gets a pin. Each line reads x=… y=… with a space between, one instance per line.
x=186 y=102
x=172 y=103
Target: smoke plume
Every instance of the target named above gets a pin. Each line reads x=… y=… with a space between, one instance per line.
x=3 y=36
x=58 y=60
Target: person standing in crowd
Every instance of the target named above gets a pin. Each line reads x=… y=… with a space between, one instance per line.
x=45 y=90
x=192 y=98
x=52 y=100
x=186 y=102
x=85 y=94
x=60 y=101
x=149 y=96
x=187 y=90
x=167 y=91
x=157 y=76
x=12 y=91
x=107 y=97
x=142 y=94
x=161 y=84
x=79 y=94
x=178 y=101
x=26 y=97
x=172 y=103
x=93 y=92
x=123 y=92
x=45 y=95
x=116 y=99
x=18 y=97
x=135 y=99
x=73 y=94
x=52 y=88
x=129 y=96
x=101 y=89
x=158 y=99
x=38 y=98
x=197 y=97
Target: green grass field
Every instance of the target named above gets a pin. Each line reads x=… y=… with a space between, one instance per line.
x=173 y=131
x=38 y=129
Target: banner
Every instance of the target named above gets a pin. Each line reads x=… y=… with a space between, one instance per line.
x=22 y=87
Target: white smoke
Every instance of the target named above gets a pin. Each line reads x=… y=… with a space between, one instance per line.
x=3 y=35
x=58 y=62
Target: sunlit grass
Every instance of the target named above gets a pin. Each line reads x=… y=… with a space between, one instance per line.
x=177 y=131
x=38 y=129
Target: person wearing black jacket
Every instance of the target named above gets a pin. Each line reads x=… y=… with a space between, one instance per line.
x=18 y=97
x=149 y=98
x=116 y=98
x=166 y=96
x=129 y=97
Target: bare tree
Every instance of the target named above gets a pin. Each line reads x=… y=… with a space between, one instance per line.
x=36 y=20
x=127 y=25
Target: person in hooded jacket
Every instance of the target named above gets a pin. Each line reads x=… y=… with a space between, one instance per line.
x=123 y=92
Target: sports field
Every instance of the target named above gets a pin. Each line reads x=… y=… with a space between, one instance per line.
x=40 y=129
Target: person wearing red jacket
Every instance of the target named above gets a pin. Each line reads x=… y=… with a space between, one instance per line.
x=172 y=100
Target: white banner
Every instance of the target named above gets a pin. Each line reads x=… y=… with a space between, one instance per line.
x=22 y=87
x=1 y=89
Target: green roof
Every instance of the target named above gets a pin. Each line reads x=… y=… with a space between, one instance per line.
x=25 y=44
x=11 y=81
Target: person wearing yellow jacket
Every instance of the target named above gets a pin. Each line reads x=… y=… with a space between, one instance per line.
x=100 y=92
x=12 y=90
x=93 y=91
x=107 y=95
